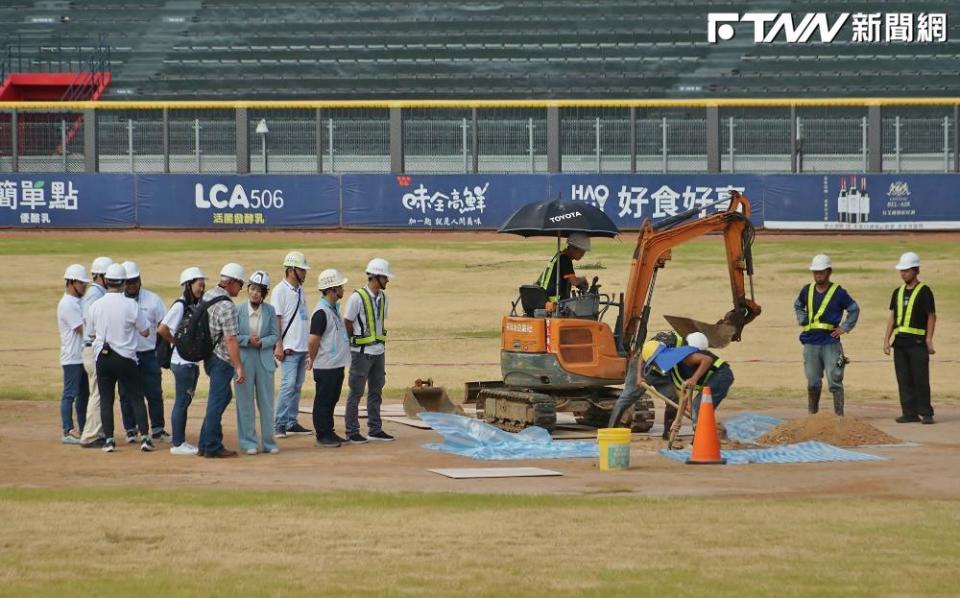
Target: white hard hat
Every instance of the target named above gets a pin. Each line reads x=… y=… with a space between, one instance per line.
x=132 y=269
x=100 y=265
x=234 y=271
x=261 y=278
x=296 y=259
x=820 y=263
x=579 y=240
x=908 y=260
x=116 y=273
x=698 y=340
x=379 y=267
x=76 y=272
x=191 y=273
x=330 y=278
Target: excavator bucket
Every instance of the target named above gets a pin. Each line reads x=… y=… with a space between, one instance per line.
x=424 y=396
x=719 y=335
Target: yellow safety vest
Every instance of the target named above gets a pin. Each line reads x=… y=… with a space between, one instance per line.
x=678 y=378
x=903 y=319
x=813 y=319
x=368 y=323
x=549 y=274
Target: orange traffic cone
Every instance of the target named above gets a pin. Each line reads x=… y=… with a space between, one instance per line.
x=706 y=441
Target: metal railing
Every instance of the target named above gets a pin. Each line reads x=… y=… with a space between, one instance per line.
x=872 y=135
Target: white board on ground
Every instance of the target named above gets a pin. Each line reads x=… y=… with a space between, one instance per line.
x=408 y=421
x=465 y=473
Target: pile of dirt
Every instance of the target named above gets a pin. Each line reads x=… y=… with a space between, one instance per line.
x=826 y=427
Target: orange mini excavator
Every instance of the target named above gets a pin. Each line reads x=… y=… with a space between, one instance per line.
x=563 y=357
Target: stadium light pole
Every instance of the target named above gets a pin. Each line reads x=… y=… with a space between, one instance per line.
x=262 y=130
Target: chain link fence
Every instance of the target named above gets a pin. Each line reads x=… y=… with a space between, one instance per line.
x=485 y=140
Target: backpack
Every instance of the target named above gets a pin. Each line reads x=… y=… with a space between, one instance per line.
x=165 y=349
x=193 y=339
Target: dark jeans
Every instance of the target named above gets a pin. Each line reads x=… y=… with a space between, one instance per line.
x=912 y=364
x=185 y=377
x=150 y=380
x=329 y=384
x=111 y=370
x=719 y=384
x=221 y=393
x=76 y=393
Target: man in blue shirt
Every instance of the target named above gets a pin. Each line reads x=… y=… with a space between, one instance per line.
x=819 y=309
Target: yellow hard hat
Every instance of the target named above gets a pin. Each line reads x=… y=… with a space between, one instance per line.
x=650 y=349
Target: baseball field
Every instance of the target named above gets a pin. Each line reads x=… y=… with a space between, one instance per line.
x=372 y=519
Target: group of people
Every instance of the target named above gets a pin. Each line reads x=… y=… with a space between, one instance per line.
x=824 y=310
x=115 y=336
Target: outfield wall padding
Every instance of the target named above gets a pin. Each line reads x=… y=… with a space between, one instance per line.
x=466 y=202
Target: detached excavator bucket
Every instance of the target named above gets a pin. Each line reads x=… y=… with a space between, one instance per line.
x=424 y=396
x=719 y=335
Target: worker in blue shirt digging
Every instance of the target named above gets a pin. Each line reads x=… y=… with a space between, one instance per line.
x=690 y=367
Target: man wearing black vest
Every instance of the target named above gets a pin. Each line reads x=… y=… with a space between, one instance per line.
x=912 y=321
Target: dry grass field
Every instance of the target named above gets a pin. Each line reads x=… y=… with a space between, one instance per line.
x=371 y=519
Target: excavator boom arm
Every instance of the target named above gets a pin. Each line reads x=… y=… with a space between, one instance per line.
x=653 y=250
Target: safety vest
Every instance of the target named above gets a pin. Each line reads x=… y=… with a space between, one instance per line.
x=550 y=274
x=678 y=378
x=903 y=319
x=368 y=321
x=813 y=319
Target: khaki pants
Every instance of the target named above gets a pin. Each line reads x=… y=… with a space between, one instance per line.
x=93 y=428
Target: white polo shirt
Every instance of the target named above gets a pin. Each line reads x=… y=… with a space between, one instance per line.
x=117 y=320
x=353 y=311
x=172 y=321
x=153 y=310
x=70 y=322
x=285 y=301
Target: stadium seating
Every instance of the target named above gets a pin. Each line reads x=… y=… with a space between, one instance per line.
x=360 y=49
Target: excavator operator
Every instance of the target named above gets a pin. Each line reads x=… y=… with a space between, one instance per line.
x=578 y=244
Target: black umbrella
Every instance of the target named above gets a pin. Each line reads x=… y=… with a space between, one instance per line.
x=559 y=217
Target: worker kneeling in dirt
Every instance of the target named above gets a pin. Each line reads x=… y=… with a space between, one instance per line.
x=578 y=244
x=663 y=383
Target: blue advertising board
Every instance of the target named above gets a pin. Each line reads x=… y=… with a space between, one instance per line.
x=232 y=201
x=443 y=202
x=857 y=202
x=66 y=200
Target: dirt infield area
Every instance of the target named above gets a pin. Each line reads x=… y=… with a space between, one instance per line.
x=32 y=459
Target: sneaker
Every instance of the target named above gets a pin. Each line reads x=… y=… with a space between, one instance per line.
x=250 y=451
x=296 y=428
x=109 y=445
x=328 y=442
x=147 y=446
x=131 y=437
x=356 y=438
x=97 y=443
x=337 y=437
x=161 y=436
x=926 y=419
x=381 y=436
x=183 y=449
x=273 y=451
x=907 y=419
x=280 y=433
x=68 y=439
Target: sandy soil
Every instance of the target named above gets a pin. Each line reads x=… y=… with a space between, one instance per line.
x=32 y=459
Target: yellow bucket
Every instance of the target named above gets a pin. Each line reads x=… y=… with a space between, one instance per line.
x=614 y=448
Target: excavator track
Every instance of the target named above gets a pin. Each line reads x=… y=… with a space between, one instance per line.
x=514 y=410
x=644 y=412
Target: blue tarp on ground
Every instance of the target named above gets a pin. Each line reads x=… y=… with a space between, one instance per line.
x=470 y=437
x=802 y=452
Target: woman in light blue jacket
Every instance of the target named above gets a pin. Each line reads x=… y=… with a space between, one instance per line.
x=257 y=335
